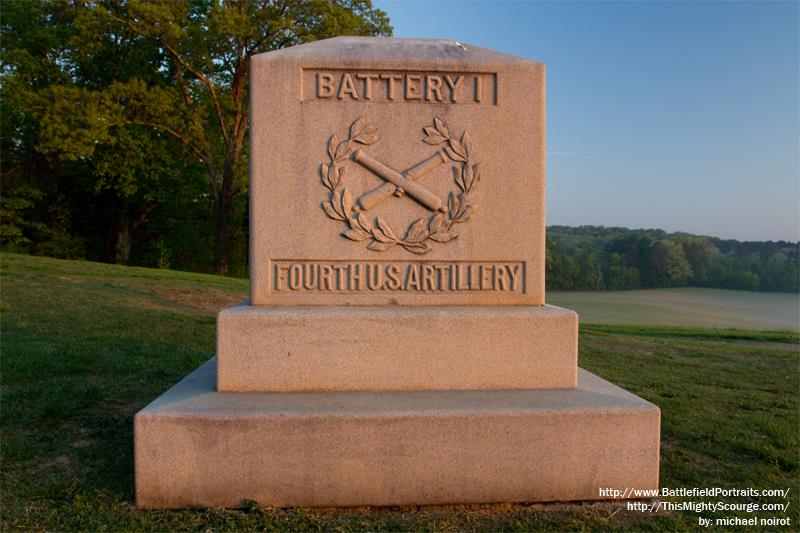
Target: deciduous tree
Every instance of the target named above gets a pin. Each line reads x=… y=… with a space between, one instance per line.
x=205 y=50
x=99 y=89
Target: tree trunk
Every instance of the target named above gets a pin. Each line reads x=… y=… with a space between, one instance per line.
x=221 y=235
x=112 y=234
x=225 y=196
x=118 y=237
x=122 y=248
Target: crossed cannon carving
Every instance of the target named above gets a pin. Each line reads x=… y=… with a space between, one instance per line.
x=400 y=184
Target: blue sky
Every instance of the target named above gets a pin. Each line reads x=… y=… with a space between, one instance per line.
x=683 y=116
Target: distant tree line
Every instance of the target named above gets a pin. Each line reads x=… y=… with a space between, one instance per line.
x=599 y=258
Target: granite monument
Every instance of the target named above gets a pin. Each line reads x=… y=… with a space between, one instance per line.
x=396 y=347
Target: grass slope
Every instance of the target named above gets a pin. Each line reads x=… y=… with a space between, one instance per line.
x=693 y=307
x=85 y=346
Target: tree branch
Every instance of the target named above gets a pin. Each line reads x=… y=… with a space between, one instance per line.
x=142 y=218
x=185 y=64
x=168 y=130
x=187 y=96
x=204 y=157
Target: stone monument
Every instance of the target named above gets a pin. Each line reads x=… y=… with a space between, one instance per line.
x=396 y=348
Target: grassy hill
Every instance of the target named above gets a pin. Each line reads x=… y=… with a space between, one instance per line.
x=86 y=345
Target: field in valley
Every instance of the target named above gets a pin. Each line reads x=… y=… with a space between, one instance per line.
x=692 y=307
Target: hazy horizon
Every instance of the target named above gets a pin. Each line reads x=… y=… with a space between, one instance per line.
x=664 y=115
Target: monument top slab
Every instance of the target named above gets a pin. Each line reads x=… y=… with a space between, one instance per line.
x=401 y=50
x=396 y=171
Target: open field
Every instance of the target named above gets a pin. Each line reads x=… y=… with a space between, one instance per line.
x=86 y=345
x=693 y=307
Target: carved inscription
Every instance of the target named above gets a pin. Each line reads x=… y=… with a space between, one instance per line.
x=396 y=86
x=414 y=276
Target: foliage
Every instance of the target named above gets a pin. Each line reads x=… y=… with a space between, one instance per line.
x=116 y=107
x=17 y=224
x=600 y=258
x=15 y=206
x=86 y=345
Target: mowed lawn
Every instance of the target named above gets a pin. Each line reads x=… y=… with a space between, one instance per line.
x=86 y=345
x=693 y=307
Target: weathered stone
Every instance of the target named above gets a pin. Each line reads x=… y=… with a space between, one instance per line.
x=396 y=348
x=339 y=125
x=197 y=447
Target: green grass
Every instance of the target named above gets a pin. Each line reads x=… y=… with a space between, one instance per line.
x=85 y=346
x=692 y=307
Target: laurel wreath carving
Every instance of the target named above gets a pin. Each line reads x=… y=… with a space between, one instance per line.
x=419 y=234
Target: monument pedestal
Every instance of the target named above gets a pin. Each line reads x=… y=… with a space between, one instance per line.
x=380 y=348
x=195 y=446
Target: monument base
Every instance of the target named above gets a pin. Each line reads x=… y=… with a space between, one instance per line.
x=395 y=348
x=198 y=447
